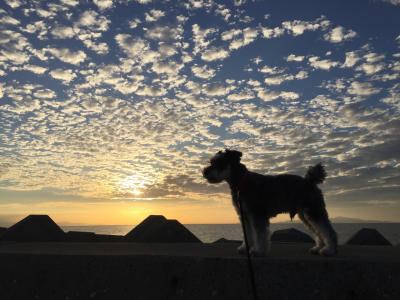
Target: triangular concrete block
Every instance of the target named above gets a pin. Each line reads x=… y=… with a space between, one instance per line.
x=368 y=236
x=291 y=235
x=157 y=229
x=35 y=228
x=146 y=228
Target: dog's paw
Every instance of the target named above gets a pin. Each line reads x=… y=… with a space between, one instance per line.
x=328 y=251
x=257 y=252
x=315 y=250
x=242 y=249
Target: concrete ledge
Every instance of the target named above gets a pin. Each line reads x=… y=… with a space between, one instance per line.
x=195 y=271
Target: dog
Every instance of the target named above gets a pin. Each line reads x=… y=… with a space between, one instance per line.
x=264 y=196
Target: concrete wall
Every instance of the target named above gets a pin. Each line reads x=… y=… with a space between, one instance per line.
x=27 y=276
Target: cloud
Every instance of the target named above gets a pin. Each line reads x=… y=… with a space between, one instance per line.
x=164 y=33
x=170 y=67
x=230 y=34
x=198 y=4
x=8 y=20
x=244 y=95
x=64 y=75
x=134 y=23
x=339 y=34
x=362 y=89
x=166 y=50
x=276 y=80
x=133 y=47
x=91 y=19
x=14 y=46
x=154 y=14
x=370 y=69
x=103 y=4
x=373 y=57
x=152 y=91
x=39 y=27
x=200 y=37
x=223 y=11
x=293 y=57
x=35 y=69
x=63 y=32
x=215 y=90
x=239 y=38
x=394 y=2
x=214 y=53
x=289 y=95
x=351 y=59
x=70 y=2
x=1 y=90
x=324 y=102
x=13 y=3
x=44 y=94
x=298 y=27
x=68 y=56
x=99 y=48
x=267 y=95
x=269 y=33
x=323 y=64
x=271 y=70
x=203 y=72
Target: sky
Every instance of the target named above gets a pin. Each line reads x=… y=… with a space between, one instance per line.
x=109 y=109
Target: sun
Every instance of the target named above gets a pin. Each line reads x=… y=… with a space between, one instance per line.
x=133 y=184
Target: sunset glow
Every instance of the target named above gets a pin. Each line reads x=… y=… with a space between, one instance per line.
x=109 y=110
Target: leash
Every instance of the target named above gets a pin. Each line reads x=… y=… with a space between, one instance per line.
x=249 y=261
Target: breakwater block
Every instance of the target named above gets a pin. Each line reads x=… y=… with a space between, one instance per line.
x=109 y=238
x=91 y=237
x=157 y=229
x=81 y=236
x=368 y=236
x=291 y=235
x=224 y=241
x=34 y=228
x=2 y=230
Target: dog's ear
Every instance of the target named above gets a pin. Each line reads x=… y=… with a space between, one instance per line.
x=233 y=155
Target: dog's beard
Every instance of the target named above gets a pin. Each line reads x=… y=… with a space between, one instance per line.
x=214 y=180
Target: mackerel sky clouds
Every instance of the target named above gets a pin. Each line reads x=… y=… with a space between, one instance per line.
x=114 y=107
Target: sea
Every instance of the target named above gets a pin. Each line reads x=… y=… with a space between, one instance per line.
x=209 y=233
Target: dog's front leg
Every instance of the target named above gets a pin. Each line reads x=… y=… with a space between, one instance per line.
x=244 y=220
x=249 y=233
x=260 y=231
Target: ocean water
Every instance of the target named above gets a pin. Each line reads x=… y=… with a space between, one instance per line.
x=208 y=233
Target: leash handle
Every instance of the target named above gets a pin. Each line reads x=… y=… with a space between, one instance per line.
x=246 y=242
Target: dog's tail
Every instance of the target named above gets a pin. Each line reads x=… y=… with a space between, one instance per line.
x=316 y=174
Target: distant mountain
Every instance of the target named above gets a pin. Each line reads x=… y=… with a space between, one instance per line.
x=354 y=220
x=345 y=220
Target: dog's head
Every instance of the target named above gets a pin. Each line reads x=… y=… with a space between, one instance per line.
x=221 y=165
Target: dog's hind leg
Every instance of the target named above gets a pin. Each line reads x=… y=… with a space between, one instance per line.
x=319 y=244
x=318 y=218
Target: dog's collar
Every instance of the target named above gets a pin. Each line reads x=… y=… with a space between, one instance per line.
x=241 y=183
